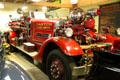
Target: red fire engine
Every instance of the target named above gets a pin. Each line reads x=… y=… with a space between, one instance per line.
x=63 y=47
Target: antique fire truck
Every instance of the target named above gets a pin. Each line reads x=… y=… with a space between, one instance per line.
x=62 y=47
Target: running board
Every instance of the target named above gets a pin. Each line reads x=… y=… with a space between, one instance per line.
x=21 y=48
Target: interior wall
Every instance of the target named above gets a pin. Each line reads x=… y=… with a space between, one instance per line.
x=11 y=9
x=60 y=13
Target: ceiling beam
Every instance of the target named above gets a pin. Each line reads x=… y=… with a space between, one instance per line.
x=19 y=0
x=52 y=4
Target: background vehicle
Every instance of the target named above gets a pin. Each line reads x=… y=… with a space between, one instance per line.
x=63 y=47
x=9 y=70
x=106 y=65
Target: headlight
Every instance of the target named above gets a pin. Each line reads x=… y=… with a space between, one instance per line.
x=118 y=31
x=68 y=32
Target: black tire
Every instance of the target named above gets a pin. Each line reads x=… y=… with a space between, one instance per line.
x=65 y=72
x=7 y=37
x=12 y=49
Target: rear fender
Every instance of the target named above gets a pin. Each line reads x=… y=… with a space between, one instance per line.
x=9 y=36
x=12 y=34
x=67 y=46
x=110 y=38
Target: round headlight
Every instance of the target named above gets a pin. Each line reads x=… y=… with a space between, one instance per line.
x=68 y=32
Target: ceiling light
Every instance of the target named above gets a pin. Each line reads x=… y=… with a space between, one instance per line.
x=44 y=8
x=73 y=1
x=1 y=5
x=24 y=7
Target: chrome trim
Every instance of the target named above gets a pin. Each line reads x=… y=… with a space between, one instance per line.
x=1 y=49
x=81 y=70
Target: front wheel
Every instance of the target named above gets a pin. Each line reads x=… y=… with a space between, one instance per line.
x=58 y=66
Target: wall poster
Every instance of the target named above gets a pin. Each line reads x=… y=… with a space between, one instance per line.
x=109 y=20
x=53 y=1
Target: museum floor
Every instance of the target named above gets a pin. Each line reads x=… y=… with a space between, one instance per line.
x=31 y=69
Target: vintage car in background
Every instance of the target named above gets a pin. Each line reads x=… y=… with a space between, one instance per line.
x=9 y=70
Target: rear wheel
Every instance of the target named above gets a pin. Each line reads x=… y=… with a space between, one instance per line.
x=7 y=40
x=58 y=66
x=7 y=37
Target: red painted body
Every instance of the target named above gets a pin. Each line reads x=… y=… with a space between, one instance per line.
x=38 y=26
x=78 y=29
x=110 y=38
x=12 y=36
x=116 y=46
x=90 y=23
x=68 y=46
x=42 y=32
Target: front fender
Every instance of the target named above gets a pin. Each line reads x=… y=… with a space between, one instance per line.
x=68 y=46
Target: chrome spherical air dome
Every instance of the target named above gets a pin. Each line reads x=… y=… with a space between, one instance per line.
x=76 y=15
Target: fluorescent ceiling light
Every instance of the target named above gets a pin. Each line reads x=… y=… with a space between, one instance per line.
x=73 y=1
x=44 y=8
x=1 y=5
x=24 y=7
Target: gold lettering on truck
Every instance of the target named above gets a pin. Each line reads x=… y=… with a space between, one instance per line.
x=44 y=25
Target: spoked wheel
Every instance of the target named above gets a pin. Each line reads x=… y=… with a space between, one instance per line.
x=57 y=66
x=57 y=70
